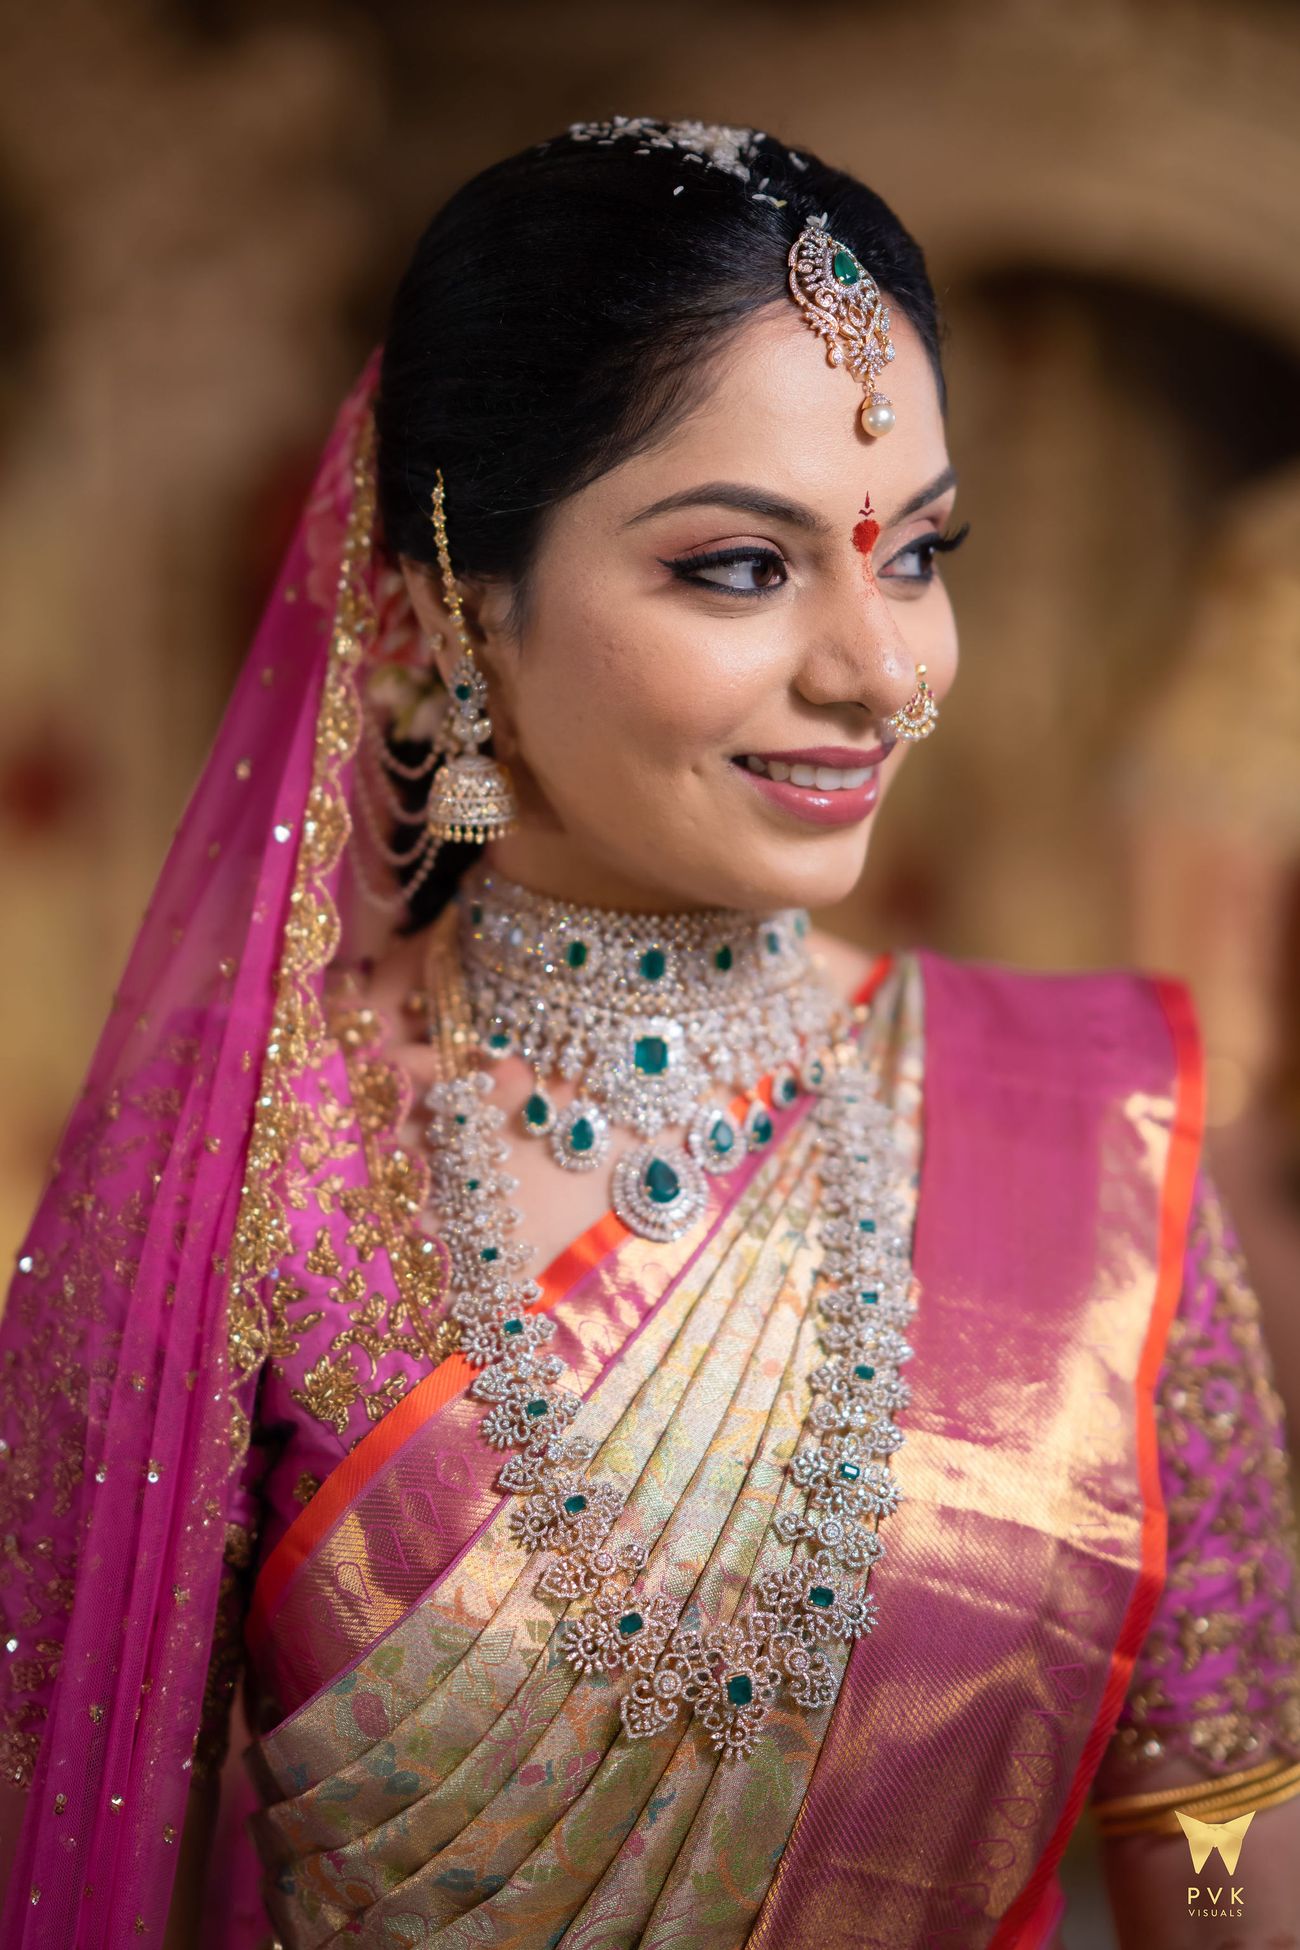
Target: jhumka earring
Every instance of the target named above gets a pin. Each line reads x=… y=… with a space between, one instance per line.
x=472 y=797
x=842 y=303
x=918 y=717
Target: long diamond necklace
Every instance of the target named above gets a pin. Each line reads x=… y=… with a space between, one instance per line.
x=496 y=994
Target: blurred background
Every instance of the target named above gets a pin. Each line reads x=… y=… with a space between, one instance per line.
x=204 y=207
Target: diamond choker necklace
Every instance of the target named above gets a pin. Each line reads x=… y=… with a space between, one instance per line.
x=650 y=1017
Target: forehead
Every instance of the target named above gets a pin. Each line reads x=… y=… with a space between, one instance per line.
x=773 y=412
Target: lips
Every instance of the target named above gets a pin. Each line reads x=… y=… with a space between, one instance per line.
x=826 y=785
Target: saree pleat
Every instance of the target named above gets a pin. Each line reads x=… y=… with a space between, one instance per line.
x=504 y=1803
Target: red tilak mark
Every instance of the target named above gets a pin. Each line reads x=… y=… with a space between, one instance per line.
x=866 y=531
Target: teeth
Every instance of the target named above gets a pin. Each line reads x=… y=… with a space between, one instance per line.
x=826 y=778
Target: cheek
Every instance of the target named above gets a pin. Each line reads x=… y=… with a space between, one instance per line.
x=933 y=641
x=657 y=692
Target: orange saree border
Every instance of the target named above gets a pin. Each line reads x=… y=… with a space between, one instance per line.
x=1021 y=1927
x=444 y=1384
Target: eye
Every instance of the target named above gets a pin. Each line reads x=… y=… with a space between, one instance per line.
x=921 y=554
x=764 y=565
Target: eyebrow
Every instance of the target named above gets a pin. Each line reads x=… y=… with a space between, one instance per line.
x=939 y=485
x=774 y=507
x=734 y=494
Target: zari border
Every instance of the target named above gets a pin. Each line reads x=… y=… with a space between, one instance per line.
x=298 y=1039
x=1175 y=1211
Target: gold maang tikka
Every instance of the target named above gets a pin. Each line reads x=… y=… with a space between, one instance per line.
x=842 y=303
x=472 y=797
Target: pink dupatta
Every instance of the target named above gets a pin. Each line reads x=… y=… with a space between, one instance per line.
x=134 y=1311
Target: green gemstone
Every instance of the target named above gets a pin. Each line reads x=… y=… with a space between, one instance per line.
x=724 y=958
x=536 y=1408
x=801 y=924
x=630 y=1622
x=740 y=1689
x=575 y=1504
x=650 y=1055
x=844 y=268
x=489 y=1253
x=464 y=692
x=816 y=1073
x=722 y=1137
x=653 y=963
x=476 y=914
x=773 y=941
x=864 y=1373
x=760 y=1129
x=821 y=1595
x=576 y=954
x=512 y=1327
x=499 y=1039
x=869 y=1297
x=471 y=1184
x=581 y=1134
x=461 y=1117
x=661 y=1181
x=866 y=1225
x=789 y=1090
x=850 y=1472
x=536 y=1110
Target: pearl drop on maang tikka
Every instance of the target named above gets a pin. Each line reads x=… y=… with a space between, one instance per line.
x=842 y=303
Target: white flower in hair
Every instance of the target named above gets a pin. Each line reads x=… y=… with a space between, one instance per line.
x=715 y=144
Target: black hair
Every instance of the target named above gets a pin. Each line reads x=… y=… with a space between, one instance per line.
x=562 y=312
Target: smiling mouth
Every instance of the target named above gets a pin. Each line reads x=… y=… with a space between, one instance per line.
x=811 y=773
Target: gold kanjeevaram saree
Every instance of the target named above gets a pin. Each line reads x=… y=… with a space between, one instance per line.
x=438 y=1773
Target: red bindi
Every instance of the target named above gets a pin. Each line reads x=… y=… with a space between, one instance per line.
x=866 y=530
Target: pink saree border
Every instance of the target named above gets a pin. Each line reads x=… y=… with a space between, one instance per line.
x=1175 y=1210
x=1078 y=1074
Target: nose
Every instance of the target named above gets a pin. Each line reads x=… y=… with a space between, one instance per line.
x=854 y=652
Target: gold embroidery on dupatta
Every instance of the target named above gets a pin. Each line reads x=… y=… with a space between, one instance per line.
x=51 y=1378
x=296 y=1133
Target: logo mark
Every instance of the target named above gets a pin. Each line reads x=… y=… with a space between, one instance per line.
x=1204 y=1837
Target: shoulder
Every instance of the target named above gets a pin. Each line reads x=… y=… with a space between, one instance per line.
x=1115 y=1009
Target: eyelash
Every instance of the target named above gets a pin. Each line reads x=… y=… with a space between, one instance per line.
x=686 y=567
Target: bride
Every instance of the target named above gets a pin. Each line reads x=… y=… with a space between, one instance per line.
x=694 y=1434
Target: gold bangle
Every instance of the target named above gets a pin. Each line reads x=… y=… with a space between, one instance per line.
x=1253 y=1788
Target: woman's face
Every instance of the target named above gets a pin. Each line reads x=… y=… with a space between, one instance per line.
x=750 y=599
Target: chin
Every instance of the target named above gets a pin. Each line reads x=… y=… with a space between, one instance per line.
x=803 y=875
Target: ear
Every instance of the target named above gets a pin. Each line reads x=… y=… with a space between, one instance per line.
x=478 y=611
x=424 y=587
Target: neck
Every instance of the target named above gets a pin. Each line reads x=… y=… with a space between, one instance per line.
x=551 y=865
